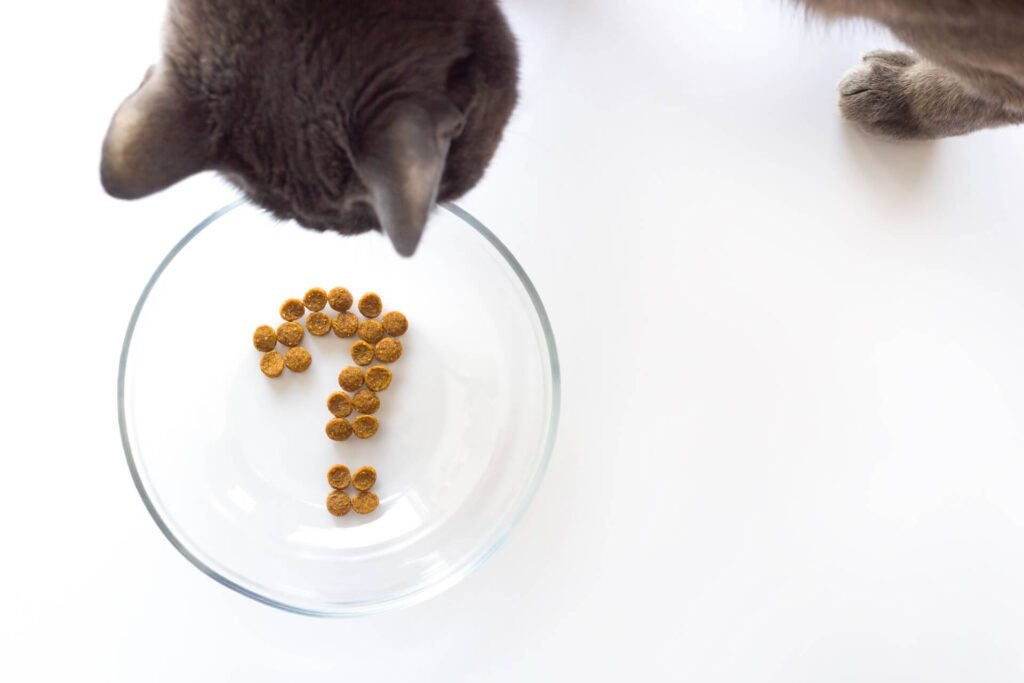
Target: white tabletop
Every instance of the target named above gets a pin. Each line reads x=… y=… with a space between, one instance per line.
x=791 y=447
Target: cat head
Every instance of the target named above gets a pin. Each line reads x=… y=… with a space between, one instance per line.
x=347 y=116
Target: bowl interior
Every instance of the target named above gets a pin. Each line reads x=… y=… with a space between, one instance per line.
x=233 y=465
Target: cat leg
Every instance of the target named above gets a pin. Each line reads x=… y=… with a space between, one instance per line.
x=901 y=95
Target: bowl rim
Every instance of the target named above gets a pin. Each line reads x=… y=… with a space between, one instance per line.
x=417 y=593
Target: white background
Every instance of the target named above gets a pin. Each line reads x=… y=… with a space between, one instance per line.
x=791 y=446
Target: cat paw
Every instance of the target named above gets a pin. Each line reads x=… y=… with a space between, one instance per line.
x=873 y=95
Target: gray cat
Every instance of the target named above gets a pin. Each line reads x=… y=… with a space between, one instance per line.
x=345 y=115
x=967 y=73
x=356 y=115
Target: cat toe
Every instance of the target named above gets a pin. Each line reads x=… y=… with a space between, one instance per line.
x=890 y=57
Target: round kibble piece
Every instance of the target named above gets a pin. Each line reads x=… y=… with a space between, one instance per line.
x=364 y=426
x=293 y=309
x=366 y=402
x=338 y=503
x=364 y=478
x=362 y=353
x=365 y=502
x=318 y=324
x=370 y=305
x=264 y=338
x=339 y=429
x=272 y=364
x=298 y=359
x=339 y=477
x=339 y=404
x=371 y=331
x=340 y=299
x=351 y=378
x=290 y=334
x=346 y=324
x=315 y=299
x=378 y=378
x=395 y=323
x=388 y=350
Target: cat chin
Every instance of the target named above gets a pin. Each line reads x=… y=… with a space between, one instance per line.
x=354 y=221
x=356 y=218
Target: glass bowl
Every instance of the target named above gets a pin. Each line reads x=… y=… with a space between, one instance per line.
x=232 y=465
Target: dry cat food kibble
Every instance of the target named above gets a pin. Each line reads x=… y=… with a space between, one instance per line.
x=366 y=402
x=339 y=404
x=351 y=378
x=395 y=323
x=371 y=331
x=378 y=378
x=346 y=324
x=338 y=503
x=290 y=334
x=339 y=477
x=340 y=299
x=338 y=429
x=293 y=309
x=364 y=478
x=264 y=338
x=377 y=334
x=364 y=426
x=370 y=305
x=318 y=324
x=298 y=359
x=362 y=353
x=388 y=350
x=365 y=502
x=272 y=364
x=315 y=299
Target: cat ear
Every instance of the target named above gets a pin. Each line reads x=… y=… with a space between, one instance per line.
x=401 y=159
x=155 y=139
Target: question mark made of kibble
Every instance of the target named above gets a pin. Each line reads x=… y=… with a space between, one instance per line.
x=377 y=340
